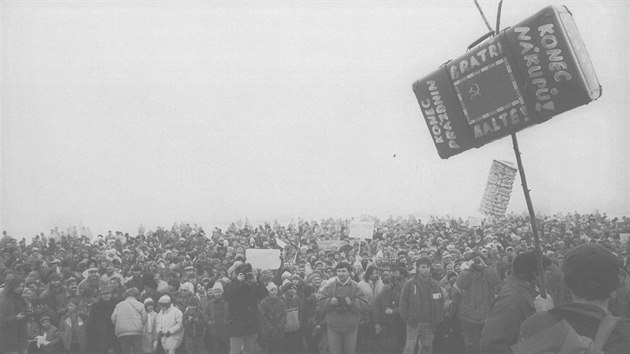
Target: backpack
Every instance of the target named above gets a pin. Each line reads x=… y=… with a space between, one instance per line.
x=561 y=338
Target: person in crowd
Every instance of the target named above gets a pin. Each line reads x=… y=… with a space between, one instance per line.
x=512 y=306
x=371 y=285
x=274 y=317
x=422 y=304
x=293 y=329
x=342 y=301
x=149 y=328
x=72 y=328
x=217 y=312
x=93 y=280
x=55 y=295
x=388 y=322
x=195 y=324
x=170 y=327
x=243 y=295
x=51 y=339
x=128 y=319
x=13 y=316
x=592 y=274
x=101 y=337
x=478 y=285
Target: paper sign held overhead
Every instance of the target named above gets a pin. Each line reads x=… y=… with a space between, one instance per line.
x=263 y=258
x=361 y=229
x=523 y=76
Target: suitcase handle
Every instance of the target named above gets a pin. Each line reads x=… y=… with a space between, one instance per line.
x=481 y=39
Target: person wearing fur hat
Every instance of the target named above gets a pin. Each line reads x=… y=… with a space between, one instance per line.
x=217 y=312
x=243 y=295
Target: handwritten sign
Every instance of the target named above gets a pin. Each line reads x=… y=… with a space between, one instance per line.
x=361 y=229
x=523 y=76
x=496 y=197
x=263 y=258
x=330 y=245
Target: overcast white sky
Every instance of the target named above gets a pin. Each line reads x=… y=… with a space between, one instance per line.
x=120 y=113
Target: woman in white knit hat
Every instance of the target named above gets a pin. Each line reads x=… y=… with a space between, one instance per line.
x=169 y=325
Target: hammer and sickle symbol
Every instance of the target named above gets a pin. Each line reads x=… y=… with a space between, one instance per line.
x=474 y=90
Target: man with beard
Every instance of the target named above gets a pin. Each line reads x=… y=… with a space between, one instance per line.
x=388 y=323
x=101 y=338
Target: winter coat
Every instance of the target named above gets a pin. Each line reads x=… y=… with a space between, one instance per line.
x=128 y=318
x=55 y=298
x=242 y=316
x=100 y=329
x=342 y=317
x=274 y=317
x=149 y=332
x=171 y=320
x=478 y=287
x=13 y=332
x=66 y=328
x=585 y=319
x=217 y=311
x=195 y=322
x=422 y=301
x=389 y=298
x=513 y=305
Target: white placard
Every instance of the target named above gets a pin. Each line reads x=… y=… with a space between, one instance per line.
x=624 y=237
x=281 y=243
x=362 y=229
x=263 y=259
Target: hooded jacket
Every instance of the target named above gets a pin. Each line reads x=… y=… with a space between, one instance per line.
x=585 y=320
x=514 y=304
x=128 y=318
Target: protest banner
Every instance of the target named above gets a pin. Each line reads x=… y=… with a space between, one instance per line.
x=263 y=258
x=496 y=197
x=281 y=243
x=624 y=237
x=361 y=229
x=330 y=245
x=524 y=75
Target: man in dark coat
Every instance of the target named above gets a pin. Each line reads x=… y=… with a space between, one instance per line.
x=13 y=318
x=101 y=338
x=243 y=296
x=512 y=306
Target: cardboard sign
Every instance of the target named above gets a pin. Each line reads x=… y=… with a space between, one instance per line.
x=331 y=245
x=498 y=191
x=361 y=229
x=263 y=258
x=523 y=76
x=281 y=243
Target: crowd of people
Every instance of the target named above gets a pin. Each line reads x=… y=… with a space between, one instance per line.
x=439 y=285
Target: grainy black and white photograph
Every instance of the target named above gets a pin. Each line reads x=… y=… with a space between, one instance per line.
x=314 y=177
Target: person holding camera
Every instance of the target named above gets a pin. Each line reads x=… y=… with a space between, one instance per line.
x=242 y=320
x=13 y=317
x=342 y=301
x=169 y=325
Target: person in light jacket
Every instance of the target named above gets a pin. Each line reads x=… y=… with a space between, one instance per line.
x=128 y=319
x=170 y=325
x=149 y=331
